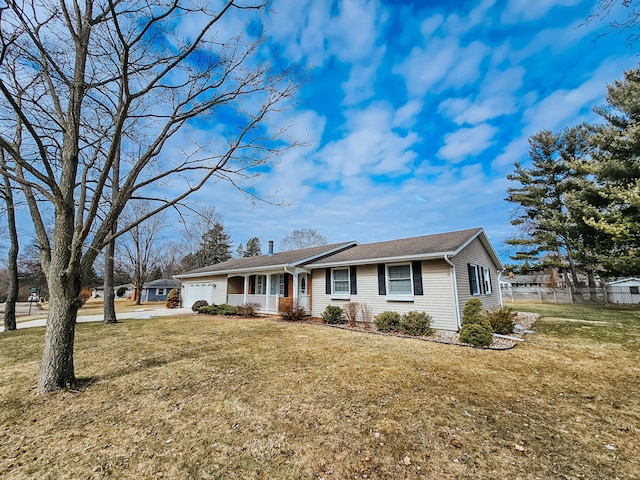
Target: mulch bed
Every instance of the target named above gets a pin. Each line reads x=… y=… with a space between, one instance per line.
x=524 y=321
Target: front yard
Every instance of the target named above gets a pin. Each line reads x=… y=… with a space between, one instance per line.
x=209 y=397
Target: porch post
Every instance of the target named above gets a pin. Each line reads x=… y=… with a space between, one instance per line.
x=268 y=292
x=295 y=287
x=245 y=289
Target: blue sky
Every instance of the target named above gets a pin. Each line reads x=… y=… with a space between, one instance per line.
x=416 y=111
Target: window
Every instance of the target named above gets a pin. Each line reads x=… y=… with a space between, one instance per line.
x=277 y=284
x=474 y=279
x=261 y=284
x=399 y=280
x=159 y=291
x=340 y=282
x=633 y=290
x=487 y=281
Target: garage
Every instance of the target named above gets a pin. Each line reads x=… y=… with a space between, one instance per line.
x=193 y=291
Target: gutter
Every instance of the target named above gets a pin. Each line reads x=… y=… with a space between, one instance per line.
x=455 y=290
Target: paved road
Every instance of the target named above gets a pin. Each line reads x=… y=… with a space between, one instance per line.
x=138 y=314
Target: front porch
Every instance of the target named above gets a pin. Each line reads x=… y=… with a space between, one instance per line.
x=267 y=290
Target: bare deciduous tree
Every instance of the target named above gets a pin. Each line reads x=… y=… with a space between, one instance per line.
x=302 y=238
x=126 y=83
x=6 y=193
x=140 y=249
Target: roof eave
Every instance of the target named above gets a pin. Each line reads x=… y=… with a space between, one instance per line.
x=368 y=261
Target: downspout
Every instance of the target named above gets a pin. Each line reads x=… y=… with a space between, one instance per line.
x=455 y=290
x=500 y=287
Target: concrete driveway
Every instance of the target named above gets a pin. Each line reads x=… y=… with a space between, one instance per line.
x=137 y=314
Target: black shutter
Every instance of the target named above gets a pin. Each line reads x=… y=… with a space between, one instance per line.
x=286 y=284
x=327 y=281
x=472 y=277
x=352 y=280
x=416 y=267
x=490 y=282
x=382 y=283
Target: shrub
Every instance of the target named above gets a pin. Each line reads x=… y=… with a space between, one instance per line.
x=121 y=291
x=366 y=314
x=248 y=309
x=388 y=322
x=173 y=299
x=351 y=312
x=222 y=309
x=501 y=319
x=472 y=311
x=291 y=311
x=416 y=323
x=333 y=315
x=476 y=334
x=196 y=305
x=85 y=294
x=225 y=309
x=208 y=309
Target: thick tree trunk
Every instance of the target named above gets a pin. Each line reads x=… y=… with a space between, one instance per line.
x=109 y=293
x=64 y=279
x=12 y=293
x=56 y=369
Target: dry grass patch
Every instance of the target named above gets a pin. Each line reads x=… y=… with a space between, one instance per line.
x=196 y=397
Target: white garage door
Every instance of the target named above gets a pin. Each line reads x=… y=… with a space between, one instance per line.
x=197 y=291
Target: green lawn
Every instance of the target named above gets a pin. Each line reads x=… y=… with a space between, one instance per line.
x=207 y=397
x=606 y=325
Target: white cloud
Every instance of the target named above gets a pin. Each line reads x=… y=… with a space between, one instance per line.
x=370 y=146
x=308 y=30
x=407 y=115
x=360 y=85
x=524 y=10
x=467 y=142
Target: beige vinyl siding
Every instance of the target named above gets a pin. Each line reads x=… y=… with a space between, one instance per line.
x=476 y=254
x=220 y=289
x=438 y=299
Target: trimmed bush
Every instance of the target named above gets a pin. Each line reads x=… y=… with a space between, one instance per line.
x=248 y=309
x=197 y=305
x=222 y=309
x=121 y=291
x=225 y=309
x=476 y=334
x=291 y=311
x=502 y=319
x=388 y=322
x=472 y=312
x=416 y=323
x=173 y=299
x=208 y=310
x=333 y=315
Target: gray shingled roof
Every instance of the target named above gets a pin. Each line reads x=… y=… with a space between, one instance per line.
x=162 y=282
x=426 y=246
x=280 y=259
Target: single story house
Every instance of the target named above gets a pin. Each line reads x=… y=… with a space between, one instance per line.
x=126 y=290
x=436 y=274
x=157 y=290
x=624 y=291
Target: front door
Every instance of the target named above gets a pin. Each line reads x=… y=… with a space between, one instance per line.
x=303 y=291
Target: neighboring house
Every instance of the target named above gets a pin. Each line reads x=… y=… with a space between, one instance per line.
x=127 y=290
x=626 y=291
x=157 y=290
x=436 y=274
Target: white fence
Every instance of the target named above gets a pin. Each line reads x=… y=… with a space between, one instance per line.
x=576 y=295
